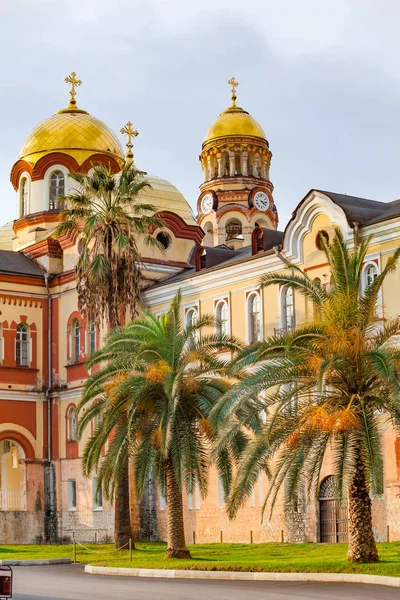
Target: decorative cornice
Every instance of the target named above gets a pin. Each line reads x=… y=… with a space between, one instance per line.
x=44 y=216
x=180 y=228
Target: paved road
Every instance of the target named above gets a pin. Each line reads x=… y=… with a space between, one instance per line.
x=69 y=582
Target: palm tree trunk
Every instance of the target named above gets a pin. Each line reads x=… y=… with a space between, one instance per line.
x=176 y=532
x=362 y=547
x=122 y=523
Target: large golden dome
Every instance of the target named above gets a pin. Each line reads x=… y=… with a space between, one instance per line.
x=74 y=132
x=234 y=122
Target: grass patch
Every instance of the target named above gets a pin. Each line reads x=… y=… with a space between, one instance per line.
x=284 y=558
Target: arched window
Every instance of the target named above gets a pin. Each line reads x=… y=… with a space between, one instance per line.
x=22 y=345
x=254 y=318
x=92 y=335
x=71 y=424
x=76 y=341
x=24 y=197
x=238 y=164
x=288 y=308
x=371 y=273
x=57 y=190
x=233 y=230
x=191 y=320
x=221 y=314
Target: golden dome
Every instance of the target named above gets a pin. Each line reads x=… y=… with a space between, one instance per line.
x=74 y=132
x=234 y=122
x=165 y=196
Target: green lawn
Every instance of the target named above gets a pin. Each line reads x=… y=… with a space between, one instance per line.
x=311 y=558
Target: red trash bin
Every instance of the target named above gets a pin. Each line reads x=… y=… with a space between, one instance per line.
x=5 y=582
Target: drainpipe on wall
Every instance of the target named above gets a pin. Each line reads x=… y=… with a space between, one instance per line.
x=50 y=508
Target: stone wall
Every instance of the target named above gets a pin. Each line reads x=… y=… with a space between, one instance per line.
x=21 y=527
x=86 y=525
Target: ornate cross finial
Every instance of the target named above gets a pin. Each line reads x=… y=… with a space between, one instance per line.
x=234 y=85
x=130 y=133
x=74 y=82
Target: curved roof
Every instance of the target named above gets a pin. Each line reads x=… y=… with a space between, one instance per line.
x=233 y=122
x=71 y=131
x=165 y=196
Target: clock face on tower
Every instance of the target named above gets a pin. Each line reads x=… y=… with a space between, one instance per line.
x=207 y=203
x=261 y=201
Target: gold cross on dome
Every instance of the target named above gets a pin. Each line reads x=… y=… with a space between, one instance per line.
x=74 y=82
x=130 y=133
x=234 y=85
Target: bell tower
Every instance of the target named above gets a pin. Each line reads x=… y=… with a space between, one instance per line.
x=236 y=193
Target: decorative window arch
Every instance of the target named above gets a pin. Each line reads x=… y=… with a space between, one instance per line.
x=24 y=197
x=370 y=272
x=191 y=318
x=72 y=424
x=92 y=330
x=222 y=316
x=56 y=190
x=75 y=341
x=22 y=345
x=253 y=317
x=288 y=309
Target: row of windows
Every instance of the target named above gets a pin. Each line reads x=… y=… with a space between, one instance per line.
x=193 y=497
x=56 y=192
x=97 y=496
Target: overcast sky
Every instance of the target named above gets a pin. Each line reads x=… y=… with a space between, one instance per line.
x=322 y=77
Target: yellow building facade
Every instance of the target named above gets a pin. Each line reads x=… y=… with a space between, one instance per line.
x=216 y=259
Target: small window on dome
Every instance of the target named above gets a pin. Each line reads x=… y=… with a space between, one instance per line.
x=163 y=239
x=57 y=190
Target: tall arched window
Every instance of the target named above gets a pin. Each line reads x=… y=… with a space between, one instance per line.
x=254 y=318
x=57 y=190
x=24 y=197
x=71 y=424
x=92 y=335
x=288 y=308
x=190 y=321
x=371 y=273
x=76 y=341
x=22 y=345
x=221 y=314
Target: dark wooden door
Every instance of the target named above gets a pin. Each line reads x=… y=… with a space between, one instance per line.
x=333 y=521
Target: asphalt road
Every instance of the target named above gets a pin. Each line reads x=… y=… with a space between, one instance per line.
x=69 y=582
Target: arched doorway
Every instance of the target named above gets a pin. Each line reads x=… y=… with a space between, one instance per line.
x=333 y=514
x=12 y=476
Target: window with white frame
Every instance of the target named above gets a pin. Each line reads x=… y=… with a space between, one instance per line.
x=97 y=495
x=370 y=274
x=288 y=308
x=191 y=318
x=254 y=317
x=72 y=424
x=71 y=486
x=75 y=341
x=221 y=315
x=92 y=335
x=24 y=196
x=56 y=190
x=22 y=345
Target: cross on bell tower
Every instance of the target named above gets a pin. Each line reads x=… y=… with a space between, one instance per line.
x=74 y=82
x=234 y=85
x=130 y=133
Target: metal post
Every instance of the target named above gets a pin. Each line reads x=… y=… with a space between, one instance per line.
x=130 y=549
x=194 y=537
x=387 y=534
x=221 y=537
x=251 y=537
x=74 y=550
x=282 y=536
x=95 y=537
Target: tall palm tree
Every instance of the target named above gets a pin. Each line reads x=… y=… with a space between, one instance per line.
x=326 y=383
x=164 y=378
x=106 y=213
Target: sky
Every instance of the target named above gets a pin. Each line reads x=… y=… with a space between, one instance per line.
x=321 y=77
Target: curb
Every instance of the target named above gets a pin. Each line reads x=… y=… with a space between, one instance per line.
x=36 y=563
x=246 y=576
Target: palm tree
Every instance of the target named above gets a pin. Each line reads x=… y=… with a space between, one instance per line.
x=164 y=378
x=325 y=383
x=106 y=213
